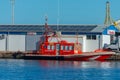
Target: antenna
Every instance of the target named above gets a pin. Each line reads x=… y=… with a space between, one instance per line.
x=46 y=18
x=58 y=15
x=12 y=4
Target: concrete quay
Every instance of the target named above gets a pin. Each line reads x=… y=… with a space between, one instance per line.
x=115 y=57
x=11 y=55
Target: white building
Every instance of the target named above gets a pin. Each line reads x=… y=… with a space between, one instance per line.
x=26 y=37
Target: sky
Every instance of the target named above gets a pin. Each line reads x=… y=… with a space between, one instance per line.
x=67 y=11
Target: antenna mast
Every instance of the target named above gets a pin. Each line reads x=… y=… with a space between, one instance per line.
x=108 y=19
x=58 y=16
x=13 y=6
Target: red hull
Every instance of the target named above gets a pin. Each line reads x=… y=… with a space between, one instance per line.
x=79 y=57
x=89 y=58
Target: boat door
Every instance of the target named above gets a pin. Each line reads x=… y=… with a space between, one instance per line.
x=57 y=49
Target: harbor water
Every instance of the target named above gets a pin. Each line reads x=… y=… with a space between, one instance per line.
x=14 y=69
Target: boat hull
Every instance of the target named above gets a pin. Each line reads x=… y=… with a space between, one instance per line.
x=76 y=57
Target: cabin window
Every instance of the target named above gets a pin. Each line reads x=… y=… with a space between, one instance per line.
x=52 y=47
x=45 y=47
x=58 y=46
x=48 y=47
x=70 y=47
x=66 y=47
x=62 y=47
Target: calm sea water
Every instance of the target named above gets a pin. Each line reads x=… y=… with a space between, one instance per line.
x=11 y=69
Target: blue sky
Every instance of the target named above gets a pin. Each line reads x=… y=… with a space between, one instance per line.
x=70 y=11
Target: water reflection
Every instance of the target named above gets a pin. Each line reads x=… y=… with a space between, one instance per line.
x=93 y=70
x=58 y=70
x=79 y=64
x=53 y=63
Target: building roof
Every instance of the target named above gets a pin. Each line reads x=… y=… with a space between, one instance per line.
x=39 y=28
x=99 y=28
x=62 y=28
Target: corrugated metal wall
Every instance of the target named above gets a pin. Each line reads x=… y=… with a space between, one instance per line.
x=16 y=43
x=32 y=42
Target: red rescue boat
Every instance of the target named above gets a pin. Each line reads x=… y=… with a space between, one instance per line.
x=63 y=50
